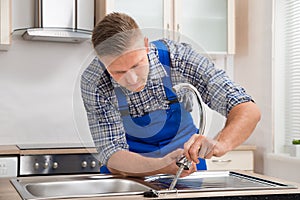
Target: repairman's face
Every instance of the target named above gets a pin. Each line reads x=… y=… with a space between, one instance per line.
x=131 y=69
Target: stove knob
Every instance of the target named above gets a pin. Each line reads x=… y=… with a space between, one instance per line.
x=55 y=165
x=84 y=164
x=36 y=166
x=93 y=164
x=46 y=165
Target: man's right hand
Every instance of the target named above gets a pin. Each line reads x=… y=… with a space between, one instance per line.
x=171 y=166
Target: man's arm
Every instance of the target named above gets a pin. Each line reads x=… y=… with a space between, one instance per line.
x=129 y=163
x=241 y=121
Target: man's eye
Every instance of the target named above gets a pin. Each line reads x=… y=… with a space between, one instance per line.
x=120 y=72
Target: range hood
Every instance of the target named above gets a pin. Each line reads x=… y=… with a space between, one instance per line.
x=62 y=21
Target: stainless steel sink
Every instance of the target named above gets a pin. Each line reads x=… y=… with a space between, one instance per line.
x=76 y=186
x=72 y=186
x=216 y=181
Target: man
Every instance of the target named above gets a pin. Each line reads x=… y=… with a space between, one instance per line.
x=139 y=125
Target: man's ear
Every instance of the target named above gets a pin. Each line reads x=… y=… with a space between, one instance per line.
x=146 y=43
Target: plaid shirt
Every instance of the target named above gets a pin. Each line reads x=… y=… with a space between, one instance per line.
x=101 y=104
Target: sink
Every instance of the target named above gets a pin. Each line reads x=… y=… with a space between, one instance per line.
x=77 y=186
x=216 y=181
x=71 y=186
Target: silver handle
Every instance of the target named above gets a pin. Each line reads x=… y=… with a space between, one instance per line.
x=221 y=161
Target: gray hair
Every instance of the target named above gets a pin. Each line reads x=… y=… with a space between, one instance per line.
x=120 y=43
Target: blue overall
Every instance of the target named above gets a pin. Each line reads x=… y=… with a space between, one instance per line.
x=160 y=132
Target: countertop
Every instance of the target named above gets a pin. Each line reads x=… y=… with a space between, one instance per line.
x=9 y=150
x=8 y=192
x=14 y=150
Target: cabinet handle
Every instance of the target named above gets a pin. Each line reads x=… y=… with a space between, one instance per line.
x=221 y=161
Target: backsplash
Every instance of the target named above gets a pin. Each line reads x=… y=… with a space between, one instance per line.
x=37 y=83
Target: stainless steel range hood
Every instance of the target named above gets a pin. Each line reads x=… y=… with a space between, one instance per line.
x=62 y=21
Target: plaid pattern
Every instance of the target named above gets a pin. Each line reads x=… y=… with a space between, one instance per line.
x=105 y=122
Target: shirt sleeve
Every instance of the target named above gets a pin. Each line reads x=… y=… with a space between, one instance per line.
x=217 y=90
x=104 y=120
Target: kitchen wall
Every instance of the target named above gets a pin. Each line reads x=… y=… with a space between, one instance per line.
x=253 y=66
x=253 y=69
x=37 y=84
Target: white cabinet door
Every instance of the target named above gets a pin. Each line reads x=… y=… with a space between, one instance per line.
x=208 y=23
x=5 y=24
x=233 y=160
x=148 y=14
x=153 y=17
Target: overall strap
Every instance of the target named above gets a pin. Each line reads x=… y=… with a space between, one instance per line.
x=164 y=58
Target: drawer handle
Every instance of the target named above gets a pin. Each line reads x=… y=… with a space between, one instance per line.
x=221 y=161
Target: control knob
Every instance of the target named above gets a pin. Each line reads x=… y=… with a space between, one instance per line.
x=55 y=165
x=36 y=166
x=84 y=164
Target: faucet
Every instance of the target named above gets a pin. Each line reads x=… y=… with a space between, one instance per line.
x=187 y=86
x=183 y=163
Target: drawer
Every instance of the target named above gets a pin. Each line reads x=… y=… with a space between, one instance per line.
x=8 y=166
x=233 y=160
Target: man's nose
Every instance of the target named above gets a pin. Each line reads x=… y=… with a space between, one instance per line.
x=131 y=77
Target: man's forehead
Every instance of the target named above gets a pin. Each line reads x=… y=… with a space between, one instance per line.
x=109 y=59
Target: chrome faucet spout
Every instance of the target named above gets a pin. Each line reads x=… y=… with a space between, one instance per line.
x=184 y=163
x=186 y=86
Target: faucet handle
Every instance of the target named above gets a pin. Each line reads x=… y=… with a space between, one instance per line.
x=183 y=161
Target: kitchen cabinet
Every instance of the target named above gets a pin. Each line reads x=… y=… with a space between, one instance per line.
x=208 y=23
x=154 y=14
x=5 y=24
x=241 y=158
x=8 y=161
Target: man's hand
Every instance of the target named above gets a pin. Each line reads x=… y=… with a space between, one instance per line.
x=172 y=168
x=199 y=146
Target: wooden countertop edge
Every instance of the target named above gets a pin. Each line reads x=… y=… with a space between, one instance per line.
x=57 y=151
x=14 y=150
x=9 y=150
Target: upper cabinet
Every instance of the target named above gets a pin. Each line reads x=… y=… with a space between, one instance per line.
x=147 y=13
x=208 y=23
x=5 y=24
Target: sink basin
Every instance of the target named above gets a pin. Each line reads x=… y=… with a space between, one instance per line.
x=77 y=186
x=72 y=186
